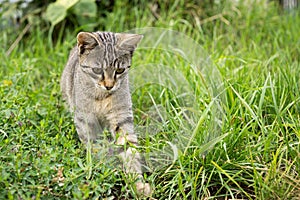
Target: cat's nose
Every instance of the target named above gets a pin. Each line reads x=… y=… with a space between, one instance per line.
x=109 y=83
x=109 y=87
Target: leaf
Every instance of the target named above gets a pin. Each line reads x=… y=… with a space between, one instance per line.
x=209 y=145
x=85 y=11
x=200 y=122
x=57 y=11
x=85 y=8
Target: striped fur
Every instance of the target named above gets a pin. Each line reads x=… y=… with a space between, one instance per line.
x=95 y=85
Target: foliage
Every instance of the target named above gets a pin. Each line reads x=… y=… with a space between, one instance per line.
x=41 y=13
x=84 y=10
x=257 y=53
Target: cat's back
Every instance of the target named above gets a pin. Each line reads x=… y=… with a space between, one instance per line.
x=67 y=79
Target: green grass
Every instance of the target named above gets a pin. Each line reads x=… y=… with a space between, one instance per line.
x=255 y=154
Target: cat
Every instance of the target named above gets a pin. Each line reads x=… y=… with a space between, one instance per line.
x=95 y=85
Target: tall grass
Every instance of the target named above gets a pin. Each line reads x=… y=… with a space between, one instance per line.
x=255 y=154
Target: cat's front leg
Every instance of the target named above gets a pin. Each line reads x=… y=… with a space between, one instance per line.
x=87 y=126
x=127 y=140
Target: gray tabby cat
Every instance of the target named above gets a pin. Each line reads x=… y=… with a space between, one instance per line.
x=95 y=85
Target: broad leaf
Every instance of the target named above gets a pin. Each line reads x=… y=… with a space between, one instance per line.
x=57 y=11
x=85 y=11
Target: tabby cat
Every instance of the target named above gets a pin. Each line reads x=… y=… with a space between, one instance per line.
x=95 y=85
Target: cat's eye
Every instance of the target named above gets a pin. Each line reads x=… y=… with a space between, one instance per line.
x=120 y=70
x=97 y=70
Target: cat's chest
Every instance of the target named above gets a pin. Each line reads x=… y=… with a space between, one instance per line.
x=103 y=106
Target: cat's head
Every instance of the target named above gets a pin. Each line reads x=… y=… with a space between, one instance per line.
x=106 y=57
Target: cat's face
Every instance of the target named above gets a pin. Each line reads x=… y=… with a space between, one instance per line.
x=106 y=57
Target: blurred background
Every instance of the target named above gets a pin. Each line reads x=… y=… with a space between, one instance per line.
x=61 y=16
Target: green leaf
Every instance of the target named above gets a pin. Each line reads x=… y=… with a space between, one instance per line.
x=57 y=11
x=85 y=11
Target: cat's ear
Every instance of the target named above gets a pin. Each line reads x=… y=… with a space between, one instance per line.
x=128 y=41
x=86 y=41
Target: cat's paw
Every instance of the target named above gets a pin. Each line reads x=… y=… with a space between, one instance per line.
x=143 y=189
